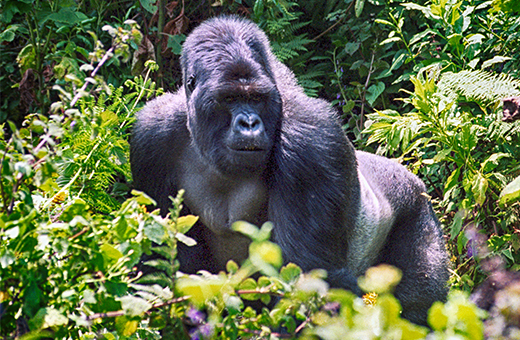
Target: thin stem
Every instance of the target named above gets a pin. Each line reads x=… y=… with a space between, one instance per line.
x=4 y=199
x=362 y=112
x=335 y=24
x=114 y=314
x=343 y=94
x=103 y=60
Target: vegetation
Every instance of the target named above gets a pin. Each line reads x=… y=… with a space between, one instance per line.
x=420 y=82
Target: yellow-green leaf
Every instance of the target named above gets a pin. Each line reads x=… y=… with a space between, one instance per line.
x=511 y=193
x=184 y=223
x=437 y=319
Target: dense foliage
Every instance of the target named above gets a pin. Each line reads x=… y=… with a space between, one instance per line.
x=421 y=82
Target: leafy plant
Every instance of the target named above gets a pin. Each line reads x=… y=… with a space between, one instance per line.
x=465 y=143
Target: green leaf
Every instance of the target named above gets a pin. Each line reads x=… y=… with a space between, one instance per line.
x=116 y=288
x=457 y=224
x=358 y=7
x=6 y=258
x=185 y=239
x=495 y=60
x=26 y=59
x=384 y=22
x=351 y=47
x=374 y=92
x=419 y=36
x=245 y=228
x=159 y=278
x=425 y=9
x=78 y=208
x=143 y=198
x=411 y=331
x=48 y=317
x=454 y=40
x=9 y=33
x=264 y=234
x=126 y=326
x=200 y=289
x=231 y=267
x=380 y=279
x=161 y=265
x=184 y=223
x=175 y=43
x=110 y=253
x=437 y=319
x=492 y=161
x=479 y=188
x=149 y=5
x=155 y=231
x=511 y=193
x=391 y=309
x=442 y=155
x=390 y=40
x=475 y=39
x=269 y=252
x=67 y=16
x=349 y=105
x=134 y=306
x=248 y=285
x=234 y=304
x=290 y=273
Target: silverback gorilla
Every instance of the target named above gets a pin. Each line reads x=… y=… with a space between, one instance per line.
x=246 y=143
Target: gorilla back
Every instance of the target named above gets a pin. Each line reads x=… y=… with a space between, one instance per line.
x=246 y=143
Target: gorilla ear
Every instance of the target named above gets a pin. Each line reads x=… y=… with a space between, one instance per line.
x=190 y=83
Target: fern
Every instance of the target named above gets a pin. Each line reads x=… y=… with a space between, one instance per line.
x=281 y=24
x=285 y=51
x=310 y=86
x=95 y=150
x=482 y=87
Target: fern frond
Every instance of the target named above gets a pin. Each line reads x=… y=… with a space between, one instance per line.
x=484 y=88
x=292 y=28
x=290 y=49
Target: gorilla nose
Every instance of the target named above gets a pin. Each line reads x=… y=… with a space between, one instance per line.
x=248 y=124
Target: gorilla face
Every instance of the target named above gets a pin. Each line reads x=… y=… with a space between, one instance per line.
x=234 y=107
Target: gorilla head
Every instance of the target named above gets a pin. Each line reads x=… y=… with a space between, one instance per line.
x=234 y=107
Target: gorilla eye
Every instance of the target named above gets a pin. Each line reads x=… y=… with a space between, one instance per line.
x=257 y=97
x=190 y=83
x=229 y=99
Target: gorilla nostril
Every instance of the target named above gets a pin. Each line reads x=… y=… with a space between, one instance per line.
x=248 y=123
x=256 y=123
x=244 y=123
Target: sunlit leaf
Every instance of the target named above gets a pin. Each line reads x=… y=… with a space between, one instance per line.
x=511 y=193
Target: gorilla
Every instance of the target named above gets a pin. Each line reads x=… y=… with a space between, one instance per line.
x=245 y=143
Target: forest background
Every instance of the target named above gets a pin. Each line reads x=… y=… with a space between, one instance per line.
x=433 y=84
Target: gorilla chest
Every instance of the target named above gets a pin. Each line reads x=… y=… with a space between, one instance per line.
x=220 y=200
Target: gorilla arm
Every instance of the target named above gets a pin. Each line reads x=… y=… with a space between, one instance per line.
x=314 y=194
x=159 y=137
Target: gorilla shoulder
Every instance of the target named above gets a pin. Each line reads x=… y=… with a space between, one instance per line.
x=159 y=136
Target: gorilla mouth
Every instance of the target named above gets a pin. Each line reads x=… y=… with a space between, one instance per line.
x=245 y=147
x=251 y=148
x=249 y=151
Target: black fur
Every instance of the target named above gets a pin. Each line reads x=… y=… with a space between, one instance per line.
x=246 y=143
